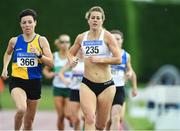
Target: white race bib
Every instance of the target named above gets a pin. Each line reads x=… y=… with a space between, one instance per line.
x=117 y=69
x=27 y=60
x=92 y=47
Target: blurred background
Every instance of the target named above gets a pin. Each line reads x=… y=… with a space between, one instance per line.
x=151 y=35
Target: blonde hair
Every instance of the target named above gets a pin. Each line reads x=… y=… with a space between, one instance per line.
x=95 y=8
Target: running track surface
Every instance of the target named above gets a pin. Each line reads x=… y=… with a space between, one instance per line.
x=44 y=120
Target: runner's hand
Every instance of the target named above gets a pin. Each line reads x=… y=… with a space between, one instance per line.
x=4 y=75
x=74 y=61
x=94 y=59
x=33 y=49
x=134 y=92
x=129 y=74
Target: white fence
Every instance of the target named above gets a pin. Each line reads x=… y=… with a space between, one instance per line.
x=165 y=113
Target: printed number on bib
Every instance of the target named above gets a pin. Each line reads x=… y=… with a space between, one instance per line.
x=92 y=47
x=27 y=60
x=114 y=72
x=92 y=50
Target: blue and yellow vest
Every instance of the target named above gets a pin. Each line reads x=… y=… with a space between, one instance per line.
x=25 y=64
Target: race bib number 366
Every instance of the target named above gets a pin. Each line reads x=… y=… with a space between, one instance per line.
x=27 y=60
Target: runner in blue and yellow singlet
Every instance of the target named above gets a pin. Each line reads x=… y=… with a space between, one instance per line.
x=26 y=64
x=30 y=51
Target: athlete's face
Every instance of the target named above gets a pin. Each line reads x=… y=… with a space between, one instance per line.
x=95 y=20
x=119 y=39
x=27 y=24
x=64 y=42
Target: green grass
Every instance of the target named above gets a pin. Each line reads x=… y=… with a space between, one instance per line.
x=139 y=123
x=5 y=100
x=46 y=102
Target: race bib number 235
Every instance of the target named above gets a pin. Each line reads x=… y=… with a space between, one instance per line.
x=92 y=47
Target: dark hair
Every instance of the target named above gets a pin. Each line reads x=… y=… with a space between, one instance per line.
x=95 y=8
x=27 y=12
x=117 y=32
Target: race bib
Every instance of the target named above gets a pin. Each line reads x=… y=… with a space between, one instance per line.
x=78 y=77
x=117 y=70
x=114 y=72
x=92 y=47
x=27 y=60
